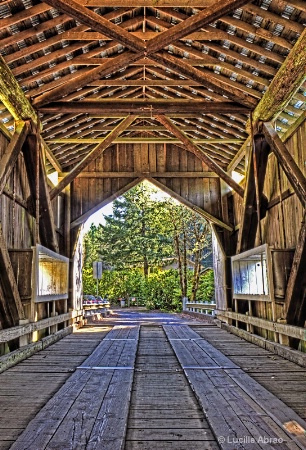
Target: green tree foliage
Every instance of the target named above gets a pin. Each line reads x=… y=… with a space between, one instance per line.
x=138 y=240
x=135 y=235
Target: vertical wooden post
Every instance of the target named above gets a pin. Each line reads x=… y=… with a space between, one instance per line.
x=37 y=156
x=67 y=222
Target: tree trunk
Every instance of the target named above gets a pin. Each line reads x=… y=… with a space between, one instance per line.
x=196 y=276
x=185 y=265
x=145 y=266
x=179 y=261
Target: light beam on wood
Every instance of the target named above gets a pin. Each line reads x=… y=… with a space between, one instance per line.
x=188 y=144
x=12 y=151
x=92 y=155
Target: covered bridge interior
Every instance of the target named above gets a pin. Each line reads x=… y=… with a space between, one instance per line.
x=97 y=96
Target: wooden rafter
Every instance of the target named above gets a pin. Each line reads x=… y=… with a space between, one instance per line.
x=52 y=158
x=282 y=88
x=188 y=144
x=84 y=15
x=92 y=155
x=87 y=77
x=141 y=140
x=193 y=23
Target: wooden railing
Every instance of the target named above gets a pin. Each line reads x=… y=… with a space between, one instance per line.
x=28 y=342
x=281 y=329
x=200 y=307
x=25 y=329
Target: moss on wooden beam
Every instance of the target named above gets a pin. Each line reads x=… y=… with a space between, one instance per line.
x=12 y=96
x=288 y=79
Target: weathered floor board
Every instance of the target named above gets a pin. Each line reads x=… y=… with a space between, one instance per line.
x=114 y=387
x=235 y=404
x=26 y=387
x=164 y=413
x=93 y=404
x=283 y=378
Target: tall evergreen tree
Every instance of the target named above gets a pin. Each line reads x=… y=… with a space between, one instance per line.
x=135 y=234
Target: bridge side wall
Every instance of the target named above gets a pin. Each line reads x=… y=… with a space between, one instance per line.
x=280 y=230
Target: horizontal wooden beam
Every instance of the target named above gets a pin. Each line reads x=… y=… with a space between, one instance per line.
x=136 y=106
x=143 y=115
x=86 y=61
x=161 y=82
x=149 y=3
x=143 y=175
x=216 y=35
x=142 y=140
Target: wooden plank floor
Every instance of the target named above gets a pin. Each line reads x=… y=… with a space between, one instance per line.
x=164 y=413
x=283 y=378
x=235 y=404
x=152 y=383
x=27 y=387
x=90 y=410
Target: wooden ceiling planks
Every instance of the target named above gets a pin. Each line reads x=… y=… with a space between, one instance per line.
x=77 y=52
